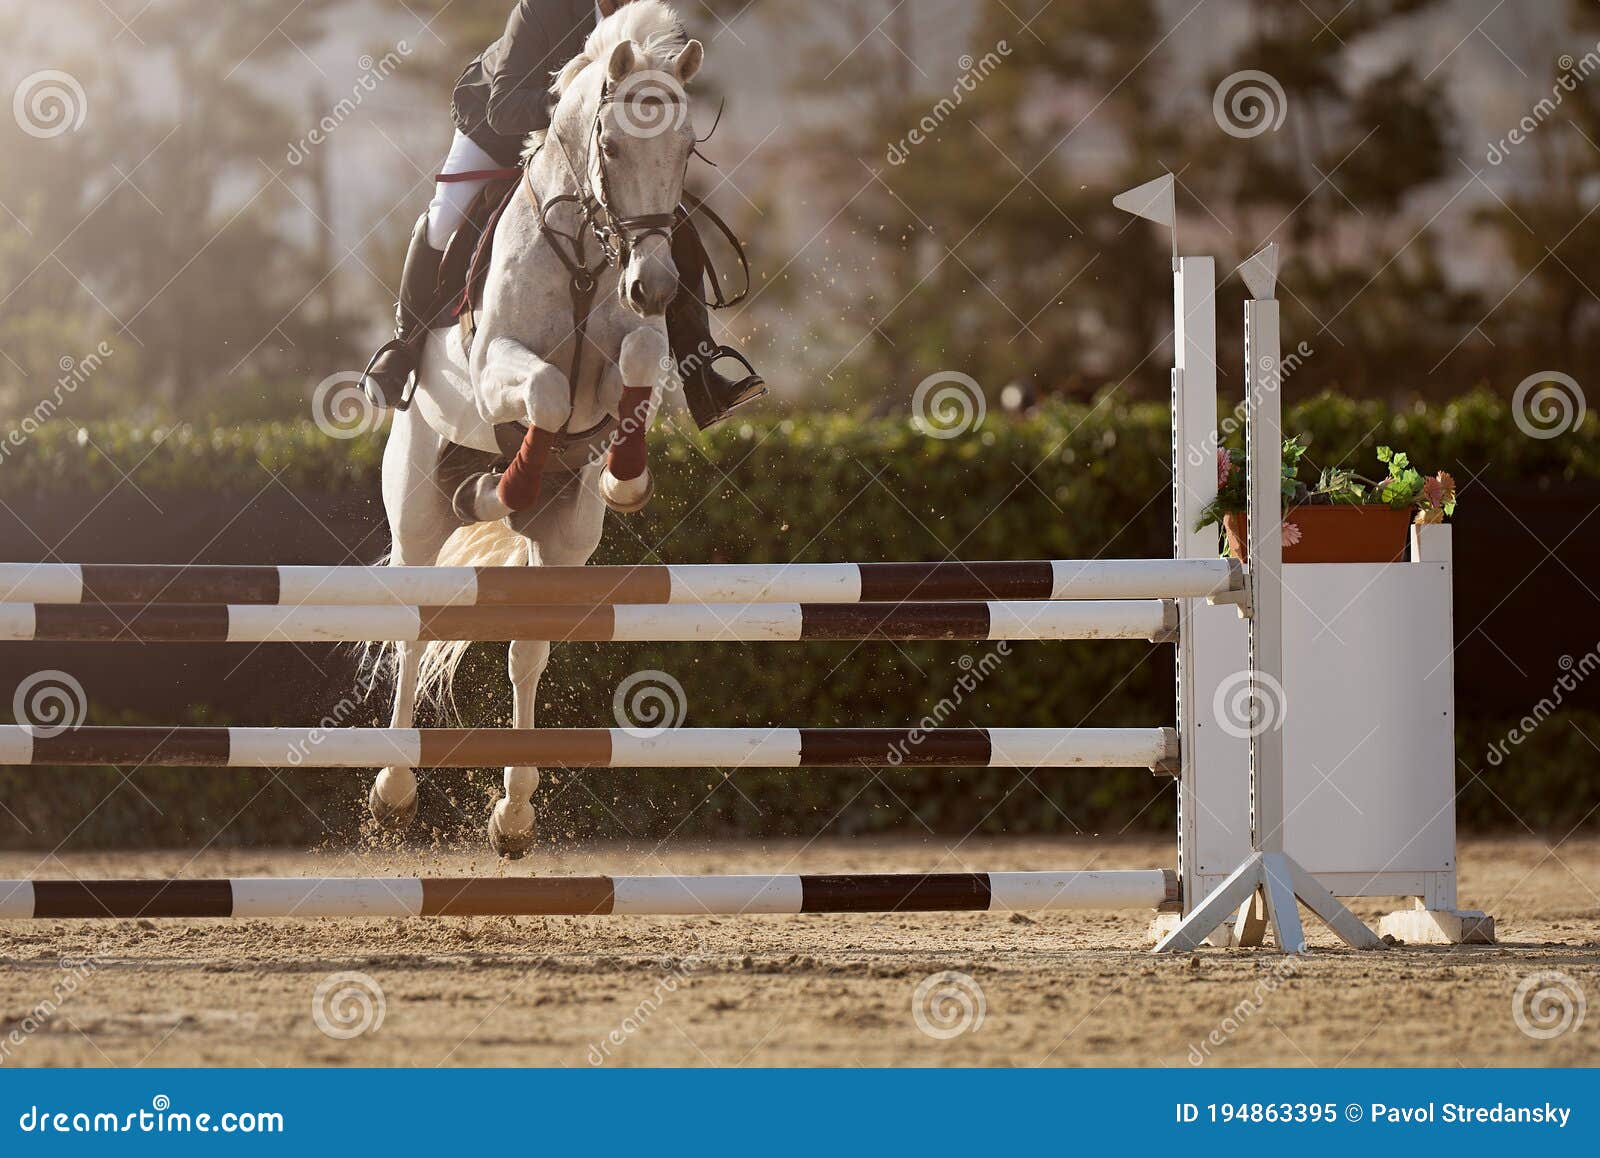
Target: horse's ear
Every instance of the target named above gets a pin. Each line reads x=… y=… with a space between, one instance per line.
x=689 y=60
x=622 y=60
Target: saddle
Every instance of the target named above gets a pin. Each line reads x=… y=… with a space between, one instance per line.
x=465 y=266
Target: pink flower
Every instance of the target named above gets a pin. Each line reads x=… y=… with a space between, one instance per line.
x=1291 y=534
x=1224 y=468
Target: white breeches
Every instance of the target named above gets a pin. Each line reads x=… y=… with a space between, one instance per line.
x=450 y=199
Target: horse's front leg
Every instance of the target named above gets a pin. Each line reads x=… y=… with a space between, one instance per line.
x=516 y=385
x=512 y=824
x=626 y=484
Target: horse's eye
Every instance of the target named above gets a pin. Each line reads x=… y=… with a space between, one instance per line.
x=608 y=147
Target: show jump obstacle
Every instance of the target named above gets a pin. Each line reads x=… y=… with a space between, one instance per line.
x=1289 y=803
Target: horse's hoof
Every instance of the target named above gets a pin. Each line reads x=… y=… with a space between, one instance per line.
x=394 y=818
x=477 y=500
x=626 y=498
x=510 y=846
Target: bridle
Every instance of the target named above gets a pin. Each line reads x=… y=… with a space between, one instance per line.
x=616 y=235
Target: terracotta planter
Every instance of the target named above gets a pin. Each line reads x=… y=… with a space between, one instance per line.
x=1365 y=534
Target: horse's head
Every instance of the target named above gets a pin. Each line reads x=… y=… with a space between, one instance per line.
x=642 y=141
x=622 y=116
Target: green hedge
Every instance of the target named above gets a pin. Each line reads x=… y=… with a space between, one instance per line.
x=1068 y=481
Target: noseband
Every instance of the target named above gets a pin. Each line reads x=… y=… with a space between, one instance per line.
x=616 y=235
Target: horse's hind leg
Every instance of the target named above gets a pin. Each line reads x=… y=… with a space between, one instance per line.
x=420 y=520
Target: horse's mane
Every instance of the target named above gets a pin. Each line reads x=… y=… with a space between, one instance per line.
x=652 y=25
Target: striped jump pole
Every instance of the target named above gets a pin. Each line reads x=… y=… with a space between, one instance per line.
x=1154 y=748
x=1148 y=619
x=592 y=896
x=587 y=586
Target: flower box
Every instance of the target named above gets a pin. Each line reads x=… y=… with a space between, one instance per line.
x=1370 y=533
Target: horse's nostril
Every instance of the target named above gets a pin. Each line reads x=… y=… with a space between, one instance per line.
x=637 y=293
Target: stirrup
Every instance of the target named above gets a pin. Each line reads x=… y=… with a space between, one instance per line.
x=408 y=389
x=745 y=390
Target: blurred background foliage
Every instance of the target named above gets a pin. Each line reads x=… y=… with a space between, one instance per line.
x=232 y=266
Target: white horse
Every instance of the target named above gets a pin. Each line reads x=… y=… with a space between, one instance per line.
x=596 y=204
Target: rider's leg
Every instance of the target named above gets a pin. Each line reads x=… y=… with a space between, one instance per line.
x=419 y=283
x=711 y=396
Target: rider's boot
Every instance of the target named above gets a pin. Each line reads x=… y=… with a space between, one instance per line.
x=394 y=363
x=711 y=396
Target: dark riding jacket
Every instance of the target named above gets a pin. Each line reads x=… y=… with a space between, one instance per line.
x=505 y=93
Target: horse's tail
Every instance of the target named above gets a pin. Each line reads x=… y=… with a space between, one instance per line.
x=480 y=545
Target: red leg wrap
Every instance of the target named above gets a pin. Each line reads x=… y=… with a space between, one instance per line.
x=519 y=486
x=626 y=458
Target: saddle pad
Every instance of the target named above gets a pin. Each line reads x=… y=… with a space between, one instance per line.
x=444 y=395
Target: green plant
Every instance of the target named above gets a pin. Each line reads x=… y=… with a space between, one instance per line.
x=1434 y=496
